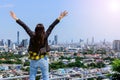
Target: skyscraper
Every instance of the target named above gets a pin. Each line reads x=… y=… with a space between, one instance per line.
x=17 y=37
x=56 y=39
x=24 y=43
x=9 y=43
x=2 y=42
x=116 y=45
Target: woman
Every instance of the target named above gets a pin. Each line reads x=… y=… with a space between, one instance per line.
x=38 y=46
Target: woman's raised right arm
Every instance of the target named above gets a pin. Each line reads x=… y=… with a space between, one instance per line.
x=27 y=29
x=49 y=30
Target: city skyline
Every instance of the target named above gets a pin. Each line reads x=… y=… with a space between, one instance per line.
x=86 y=19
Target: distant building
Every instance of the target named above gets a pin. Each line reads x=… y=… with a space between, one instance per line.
x=14 y=46
x=116 y=45
x=24 y=43
x=49 y=42
x=53 y=42
x=17 y=37
x=9 y=43
x=2 y=42
x=56 y=39
x=73 y=50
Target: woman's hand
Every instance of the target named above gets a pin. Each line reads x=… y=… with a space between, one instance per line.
x=13 y=15
x=62 y=15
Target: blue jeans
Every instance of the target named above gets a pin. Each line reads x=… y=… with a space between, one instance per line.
x=44 y=66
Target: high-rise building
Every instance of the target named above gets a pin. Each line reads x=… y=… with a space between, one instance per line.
x=49 y=42
x=56 y=39
x=53 y=42
x=2 y=42
x=116 y=45
x=24 y=43
x=9 y=43
x=18 y=37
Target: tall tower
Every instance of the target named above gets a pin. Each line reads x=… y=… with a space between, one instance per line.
x=2 y=42
x=24 y=43
x=56 y=39
x=9 y=43
x=116 y=45
x=18 y=37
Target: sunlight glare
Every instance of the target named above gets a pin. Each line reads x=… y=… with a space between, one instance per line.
x=114 y=6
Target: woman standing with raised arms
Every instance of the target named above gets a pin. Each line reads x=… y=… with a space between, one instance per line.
x=38 y=46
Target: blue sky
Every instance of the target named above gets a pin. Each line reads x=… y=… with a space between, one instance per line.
x=86 y=18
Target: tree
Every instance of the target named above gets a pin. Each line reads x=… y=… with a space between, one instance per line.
x=26 y=63
x=116 y=69
x=57 y=65
x=100 y=65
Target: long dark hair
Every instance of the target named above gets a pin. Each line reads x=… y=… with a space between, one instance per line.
x=40 y=34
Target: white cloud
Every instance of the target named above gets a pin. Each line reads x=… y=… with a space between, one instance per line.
x=6 y=6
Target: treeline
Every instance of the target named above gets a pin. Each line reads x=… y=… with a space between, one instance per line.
x=10 y=58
